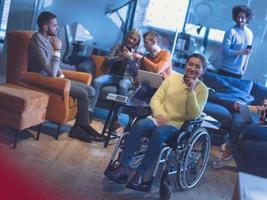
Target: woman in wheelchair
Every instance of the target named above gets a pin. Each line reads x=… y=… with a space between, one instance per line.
x=178 y=99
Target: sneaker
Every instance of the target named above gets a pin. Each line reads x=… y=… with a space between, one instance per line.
x=221 y=162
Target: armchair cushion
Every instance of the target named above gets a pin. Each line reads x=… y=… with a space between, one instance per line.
x=224 y=84
x=18 y=99
x=20 y=107
x=228 y=90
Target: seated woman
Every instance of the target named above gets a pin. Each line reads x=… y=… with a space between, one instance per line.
x=120 y=67
x=237 y=131
x=179 y=98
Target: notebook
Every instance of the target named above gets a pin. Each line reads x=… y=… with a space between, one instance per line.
x=153 y=79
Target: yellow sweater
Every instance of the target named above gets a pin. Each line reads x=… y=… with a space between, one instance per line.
x=173 y=101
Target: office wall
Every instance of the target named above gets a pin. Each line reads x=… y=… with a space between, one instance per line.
x=20 y=18
x=89 y=13
x=218 y=14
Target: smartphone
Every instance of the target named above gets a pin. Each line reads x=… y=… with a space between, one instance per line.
x=249 y=46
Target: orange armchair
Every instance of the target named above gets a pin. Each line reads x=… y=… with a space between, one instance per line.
x=61 y=107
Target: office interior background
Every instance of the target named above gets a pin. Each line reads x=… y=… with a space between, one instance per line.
x=105 y=22
x=186 y=26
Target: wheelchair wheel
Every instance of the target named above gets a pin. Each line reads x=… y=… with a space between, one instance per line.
x=194 y=160
x=165 y=188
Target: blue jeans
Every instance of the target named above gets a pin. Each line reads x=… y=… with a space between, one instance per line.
x=110 y=79
x=157 y=136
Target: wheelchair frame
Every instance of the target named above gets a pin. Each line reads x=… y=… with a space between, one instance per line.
x=187 y=158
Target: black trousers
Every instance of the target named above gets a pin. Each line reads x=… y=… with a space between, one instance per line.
x=226 y=73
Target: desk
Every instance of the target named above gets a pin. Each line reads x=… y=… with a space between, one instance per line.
x=137 y=108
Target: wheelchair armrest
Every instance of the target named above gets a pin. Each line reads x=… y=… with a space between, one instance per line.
x=190 y=124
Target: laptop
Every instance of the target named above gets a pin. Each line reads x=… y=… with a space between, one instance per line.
x=153 y=79
x=247 y=115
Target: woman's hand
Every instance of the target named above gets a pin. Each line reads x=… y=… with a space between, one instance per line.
x=236 y=106
x=137 y=56
x=127 y=54
x=190 y=83
x=161 y=120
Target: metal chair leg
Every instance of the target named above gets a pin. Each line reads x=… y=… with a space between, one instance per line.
x=39 y=131
x=58 y=131
x=16 y=139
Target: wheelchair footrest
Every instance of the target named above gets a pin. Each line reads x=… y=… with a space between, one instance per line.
x=143 y=187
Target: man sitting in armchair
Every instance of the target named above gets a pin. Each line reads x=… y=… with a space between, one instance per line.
x=44 y=58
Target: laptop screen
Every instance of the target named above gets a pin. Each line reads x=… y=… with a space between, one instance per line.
x=154 y=80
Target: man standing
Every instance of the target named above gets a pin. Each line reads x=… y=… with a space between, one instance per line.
x=157 y=60
x=44 y=58
x=237 y=44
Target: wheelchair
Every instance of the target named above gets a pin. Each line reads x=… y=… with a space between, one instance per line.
x=182 y=161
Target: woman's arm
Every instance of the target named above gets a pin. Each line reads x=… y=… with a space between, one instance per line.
x=196 y=101
x=115 y=55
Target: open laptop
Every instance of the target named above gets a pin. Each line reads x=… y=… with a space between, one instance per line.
x=247 y=115
x=153 y=79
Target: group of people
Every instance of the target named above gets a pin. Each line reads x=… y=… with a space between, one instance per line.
x=120 y=68
x=178 y=99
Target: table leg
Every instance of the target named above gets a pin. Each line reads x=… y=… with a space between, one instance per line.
x=110 y=128
x=108 y=119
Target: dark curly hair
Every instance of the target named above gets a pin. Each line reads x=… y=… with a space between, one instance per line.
x=242 y=8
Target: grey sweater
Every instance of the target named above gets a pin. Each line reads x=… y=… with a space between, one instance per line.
x=41 y=57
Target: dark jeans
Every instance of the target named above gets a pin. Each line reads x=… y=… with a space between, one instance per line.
x=235 y=132
x=226 y=73
x=84 y=95
x=254 y=132
x=242 y=131
x=157 y=136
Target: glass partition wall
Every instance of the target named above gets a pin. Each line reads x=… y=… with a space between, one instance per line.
x=166 y=17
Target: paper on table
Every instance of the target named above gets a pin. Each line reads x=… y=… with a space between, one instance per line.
x=209 y=118
x=209 y=125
